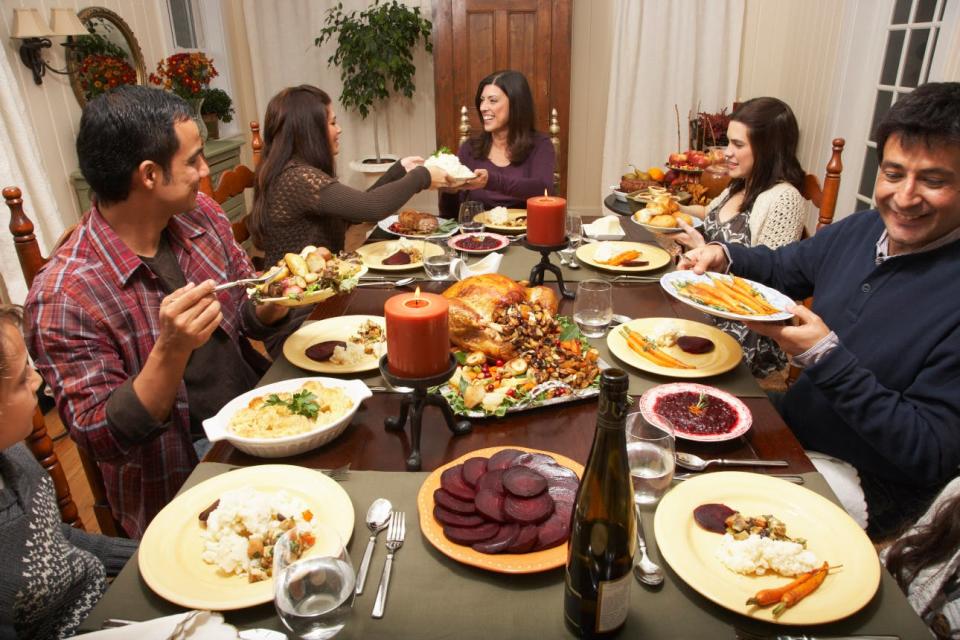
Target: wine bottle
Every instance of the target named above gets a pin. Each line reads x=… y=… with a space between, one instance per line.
x=603 y=530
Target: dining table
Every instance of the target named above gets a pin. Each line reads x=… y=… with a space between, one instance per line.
x=435 y=596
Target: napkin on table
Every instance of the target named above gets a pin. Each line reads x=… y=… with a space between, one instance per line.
x=204 y=625
x=606 y=228
x=459 y=269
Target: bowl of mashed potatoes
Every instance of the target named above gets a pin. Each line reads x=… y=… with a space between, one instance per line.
x=287 y=417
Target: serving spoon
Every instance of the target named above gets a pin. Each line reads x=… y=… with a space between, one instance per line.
x=378 y=515
x=696 y=463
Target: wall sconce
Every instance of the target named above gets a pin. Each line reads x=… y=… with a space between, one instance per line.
x=32 y=31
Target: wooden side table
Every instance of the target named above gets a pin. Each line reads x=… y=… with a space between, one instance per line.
x=221 y=155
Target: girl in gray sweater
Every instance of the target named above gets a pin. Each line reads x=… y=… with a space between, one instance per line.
x=51 y=575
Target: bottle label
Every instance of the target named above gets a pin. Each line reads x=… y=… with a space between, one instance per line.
x=613 y=603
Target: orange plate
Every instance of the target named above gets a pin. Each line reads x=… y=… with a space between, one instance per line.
x=533 y=562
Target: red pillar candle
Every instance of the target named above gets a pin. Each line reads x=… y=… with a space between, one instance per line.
x=546 y=220
x=418 y=334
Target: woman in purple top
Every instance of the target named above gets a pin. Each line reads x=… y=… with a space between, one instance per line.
x=512 y=160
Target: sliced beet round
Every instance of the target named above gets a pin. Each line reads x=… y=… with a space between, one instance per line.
x=713 y=516
x=532 y=460
x=499 y=542
x=473 y=469
x=695 y=344
x=452 y=518
x=448 y=502
x=526 y=540
x=544 y=465
x=563 y=494
x=471 y=535
x=490 y=505
x=322 y=351
x=552 y=532
x=503 y=458
x=524 y=482
x=451 y=480
x=492 y=481
x=528 y=510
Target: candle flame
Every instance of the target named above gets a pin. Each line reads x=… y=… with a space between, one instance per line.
x=416 y=294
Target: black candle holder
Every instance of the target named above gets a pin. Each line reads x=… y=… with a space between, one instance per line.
x=537 y=272
x=420 y=398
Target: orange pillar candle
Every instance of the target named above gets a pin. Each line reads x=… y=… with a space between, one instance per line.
x=418 y=334
x=546 y=220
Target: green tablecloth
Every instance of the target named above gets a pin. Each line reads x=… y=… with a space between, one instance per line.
x=432 y=596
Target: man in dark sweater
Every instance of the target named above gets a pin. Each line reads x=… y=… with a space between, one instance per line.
x=881 y=346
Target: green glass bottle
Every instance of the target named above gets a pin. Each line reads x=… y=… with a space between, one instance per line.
x=603 y=530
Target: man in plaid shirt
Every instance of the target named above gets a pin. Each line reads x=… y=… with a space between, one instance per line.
x=123 y=322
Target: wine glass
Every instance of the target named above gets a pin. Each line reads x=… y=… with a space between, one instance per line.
x=593 y=307
x=469 y=210
x=437 y=256
x=313 y=594
x=650 y=451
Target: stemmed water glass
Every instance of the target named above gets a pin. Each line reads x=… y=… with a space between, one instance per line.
x=313 y=594
x=469 y=210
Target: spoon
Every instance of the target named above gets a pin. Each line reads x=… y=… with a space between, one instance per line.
x=696 y=463
x=563 y=259
x=646 y=570
x=619 y=318
x=402 y=282
x=378 y=515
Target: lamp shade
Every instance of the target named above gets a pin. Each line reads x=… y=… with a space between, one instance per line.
x=27 y=23
x=64 y=22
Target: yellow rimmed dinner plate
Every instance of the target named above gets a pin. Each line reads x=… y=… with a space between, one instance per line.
x=314 y=297
x=169 y=554
x=653 y=255
x=532 y=562
x=375 y=253
x=512 y=215
x=725 y=356
x=339 y=328
x=831 y=535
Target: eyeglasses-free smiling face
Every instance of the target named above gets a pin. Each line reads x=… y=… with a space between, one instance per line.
x=494 y=109
x=333 y=131
x=918 y=193
x=739 y=153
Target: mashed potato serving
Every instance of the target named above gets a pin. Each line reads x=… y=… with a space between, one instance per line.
x=277 y=415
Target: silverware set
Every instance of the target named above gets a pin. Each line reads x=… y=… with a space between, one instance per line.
x=381 y=516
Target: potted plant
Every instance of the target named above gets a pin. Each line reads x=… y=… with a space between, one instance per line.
x=375 y=50
x=217 y=107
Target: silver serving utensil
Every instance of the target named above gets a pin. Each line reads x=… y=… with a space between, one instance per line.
x=395 y=536
x=783 y=476
x=563 y=259
x=645 y=570
x=696 y=463
x=378 y=516
x=402 y=282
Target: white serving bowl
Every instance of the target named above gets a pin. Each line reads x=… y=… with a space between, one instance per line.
x=216 y=426
x=619 y=195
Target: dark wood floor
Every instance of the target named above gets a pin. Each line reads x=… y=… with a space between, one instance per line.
x=66 y=452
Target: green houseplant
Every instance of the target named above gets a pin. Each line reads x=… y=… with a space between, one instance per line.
x=217 y=107
x=375 y=50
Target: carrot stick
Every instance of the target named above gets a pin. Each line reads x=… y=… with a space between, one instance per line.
x=766 y=597
x=752 y=303
x=802 y=590
x=711 y=297
x=648 y=349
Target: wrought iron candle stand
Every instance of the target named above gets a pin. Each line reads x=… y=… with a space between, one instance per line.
x=420 y=398
x=537 y=272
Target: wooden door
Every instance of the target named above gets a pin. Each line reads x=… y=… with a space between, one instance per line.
x=474 y=38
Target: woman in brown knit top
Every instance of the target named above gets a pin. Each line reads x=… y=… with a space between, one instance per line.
x=297 y=199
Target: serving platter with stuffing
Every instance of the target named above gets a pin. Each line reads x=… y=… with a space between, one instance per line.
x=309 y=277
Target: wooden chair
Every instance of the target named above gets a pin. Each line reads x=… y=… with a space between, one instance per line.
x=235 y=181
x=554 y=129
x=825 y=200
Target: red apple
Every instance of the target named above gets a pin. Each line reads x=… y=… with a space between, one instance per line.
x=677 y=159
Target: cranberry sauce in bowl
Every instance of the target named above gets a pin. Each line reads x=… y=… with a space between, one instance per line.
x=696 y=413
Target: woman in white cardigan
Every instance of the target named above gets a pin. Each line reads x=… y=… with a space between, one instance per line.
x=762 y=204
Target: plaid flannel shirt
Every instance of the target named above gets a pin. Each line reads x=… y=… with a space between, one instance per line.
x=92 y=320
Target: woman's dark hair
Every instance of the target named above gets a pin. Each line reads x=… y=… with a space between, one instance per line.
x=13 y=314
x=930 y=115
x=774 y=134
x=122 y=128
x=929 y=545
x=521 y=136
x=295 y=126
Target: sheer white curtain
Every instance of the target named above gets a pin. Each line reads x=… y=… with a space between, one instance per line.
x=684 y=53
x=20 y=166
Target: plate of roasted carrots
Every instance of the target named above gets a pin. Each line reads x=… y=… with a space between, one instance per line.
x=674 y=347
x=622 y=256
x=727 y=296
x=846 y=573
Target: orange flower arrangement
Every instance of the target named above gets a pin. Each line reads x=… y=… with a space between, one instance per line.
x=99 y=73
x=185 y=74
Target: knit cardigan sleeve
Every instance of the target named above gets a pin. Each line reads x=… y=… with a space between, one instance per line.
x=777 y=216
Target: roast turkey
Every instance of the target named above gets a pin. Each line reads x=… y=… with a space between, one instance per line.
x=478 y=305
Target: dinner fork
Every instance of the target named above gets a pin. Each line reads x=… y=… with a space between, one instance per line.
x=263 y=278
x=743 y=634
x=395 y=534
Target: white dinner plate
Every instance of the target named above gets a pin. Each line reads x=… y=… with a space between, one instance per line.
x=673 y=283
x=447 y=228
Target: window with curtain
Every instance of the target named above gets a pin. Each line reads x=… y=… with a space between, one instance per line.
x=183 y=24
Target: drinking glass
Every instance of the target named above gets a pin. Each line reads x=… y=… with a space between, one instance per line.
x=574 y=231
x=469 y=211
x=437 y=256
x=593 y=307
x=313 y=595
x=650 y=450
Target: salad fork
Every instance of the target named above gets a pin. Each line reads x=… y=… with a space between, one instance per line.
x=395 y=534
x=263 y=278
